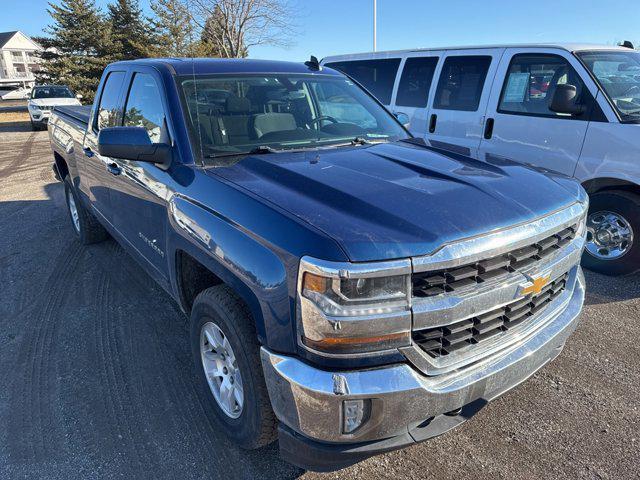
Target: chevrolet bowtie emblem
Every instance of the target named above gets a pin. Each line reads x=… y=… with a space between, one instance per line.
x=536 y=285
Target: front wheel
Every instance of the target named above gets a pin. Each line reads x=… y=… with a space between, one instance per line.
x=228 y=370
x=613 y=233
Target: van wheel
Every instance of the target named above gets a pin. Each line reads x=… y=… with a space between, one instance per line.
x=85 y=225
x=228 y=370
x=613 y=233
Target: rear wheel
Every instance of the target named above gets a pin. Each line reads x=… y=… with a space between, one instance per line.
x=613 y=233
x=228 y=370
x=85 y=225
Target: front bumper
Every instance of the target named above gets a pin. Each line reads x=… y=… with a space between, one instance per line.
x=406 y=406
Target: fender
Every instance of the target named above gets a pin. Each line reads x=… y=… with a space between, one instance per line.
x=255 y=272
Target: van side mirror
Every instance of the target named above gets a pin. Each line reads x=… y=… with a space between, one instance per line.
x=564 y=100
x=132 y=143
x=403 y=118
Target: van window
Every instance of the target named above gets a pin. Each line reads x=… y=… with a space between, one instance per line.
x=461 y=83
x=415 y=82
x=144 y=107
x=531 y=82
x=109 y=110
x=377 y=76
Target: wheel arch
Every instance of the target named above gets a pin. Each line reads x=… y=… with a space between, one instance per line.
x=61 y=165
x=595 y=185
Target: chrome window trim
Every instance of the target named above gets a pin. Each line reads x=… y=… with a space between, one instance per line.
x=494 y=243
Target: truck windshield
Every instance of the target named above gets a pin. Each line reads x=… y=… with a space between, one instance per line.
x=618 y=74
x=52 y=92
x=231 y=114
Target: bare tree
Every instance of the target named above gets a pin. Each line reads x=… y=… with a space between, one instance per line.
x=234 y=26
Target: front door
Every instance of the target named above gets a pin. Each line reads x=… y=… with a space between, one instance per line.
x=458 y=106
x=524 y=128
x=140 y=194
x=414 y=89
x=96 y=179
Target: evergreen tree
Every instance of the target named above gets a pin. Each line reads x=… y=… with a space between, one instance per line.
x=75 y=47
x=130 y=32
x=174 y=29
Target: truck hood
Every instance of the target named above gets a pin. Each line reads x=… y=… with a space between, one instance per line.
x=398 y=200
x=54 y=102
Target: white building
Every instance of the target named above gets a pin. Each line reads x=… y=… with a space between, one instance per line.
x=18 y=60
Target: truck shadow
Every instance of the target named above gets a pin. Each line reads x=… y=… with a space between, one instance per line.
x=97 y=363
x=603 y=289
x=13 y=127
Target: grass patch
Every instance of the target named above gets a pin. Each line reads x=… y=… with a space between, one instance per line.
x=12 y=117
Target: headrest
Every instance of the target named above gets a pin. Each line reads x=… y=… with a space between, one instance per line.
x=238 y=105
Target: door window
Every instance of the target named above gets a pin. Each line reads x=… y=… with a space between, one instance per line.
x=144 y=107
x=531 y=82
x=377 y=76
x=109 y=107
x=461 y=83
x=415 y=82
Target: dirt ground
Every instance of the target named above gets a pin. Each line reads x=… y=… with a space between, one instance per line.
x=95 y=370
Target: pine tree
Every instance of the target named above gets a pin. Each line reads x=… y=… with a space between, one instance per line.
x=75 y=47
x=131 y=34
x=174 y=28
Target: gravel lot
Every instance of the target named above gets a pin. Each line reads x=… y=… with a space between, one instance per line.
x=95 y=367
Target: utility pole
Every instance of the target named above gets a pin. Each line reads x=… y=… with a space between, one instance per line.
x=375 y=26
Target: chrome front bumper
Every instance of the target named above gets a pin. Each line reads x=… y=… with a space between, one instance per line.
x=309 y=401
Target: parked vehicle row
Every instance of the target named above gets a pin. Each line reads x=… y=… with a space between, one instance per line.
x=351 y=290
x=572 y=109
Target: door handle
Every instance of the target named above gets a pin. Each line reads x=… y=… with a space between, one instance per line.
x=488 y=128
x=88 y=152
x=114 y=169
x=432 y=122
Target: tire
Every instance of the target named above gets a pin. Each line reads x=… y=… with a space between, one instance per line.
x=626 y=207
x=86 y=226
x=255 y=424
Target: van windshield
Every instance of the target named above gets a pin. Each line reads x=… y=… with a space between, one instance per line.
x=237 y=114
x=618 y=74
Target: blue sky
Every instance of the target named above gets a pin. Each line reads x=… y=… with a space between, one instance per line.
x=328 y=27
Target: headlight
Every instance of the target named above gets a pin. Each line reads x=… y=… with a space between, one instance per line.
x=34 y=107
x=354 y=308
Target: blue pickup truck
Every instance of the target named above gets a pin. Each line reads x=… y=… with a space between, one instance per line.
x=350 y=289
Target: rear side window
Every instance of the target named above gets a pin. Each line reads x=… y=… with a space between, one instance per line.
x=144 y=107
x=415 y=82
x=109 y=109
x=377 y=76
x=461 y=83
x=531 y=82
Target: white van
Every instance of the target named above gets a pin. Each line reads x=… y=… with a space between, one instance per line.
x=573 y=109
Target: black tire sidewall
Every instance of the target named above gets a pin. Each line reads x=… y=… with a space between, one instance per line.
x=626 y=205
x=244 y=429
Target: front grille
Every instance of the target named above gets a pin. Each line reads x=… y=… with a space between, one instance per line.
x=429 y=284
x=441 y=341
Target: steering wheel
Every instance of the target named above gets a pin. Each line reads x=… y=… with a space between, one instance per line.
x=322 y=118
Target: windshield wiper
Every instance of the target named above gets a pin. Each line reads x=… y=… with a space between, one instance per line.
x=260 y=149
x=361 y=141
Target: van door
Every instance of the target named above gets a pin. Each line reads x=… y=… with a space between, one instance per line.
x=377 y=75
x=520 y=123
x=414 y=89
x=458 y=106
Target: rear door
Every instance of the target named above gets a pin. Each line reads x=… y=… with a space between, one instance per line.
x=523 y=127
x=456 y=116
x=96 y=181
x=414 y=88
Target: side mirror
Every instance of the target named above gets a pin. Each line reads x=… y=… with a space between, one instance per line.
x=79 y=97
x=132 y=143
x=564 y=100
x=403 y=118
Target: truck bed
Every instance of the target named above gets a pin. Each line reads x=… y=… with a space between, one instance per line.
x=79 y=113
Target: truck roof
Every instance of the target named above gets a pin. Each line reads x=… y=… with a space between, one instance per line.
x=187 y=66
x=570 y=47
